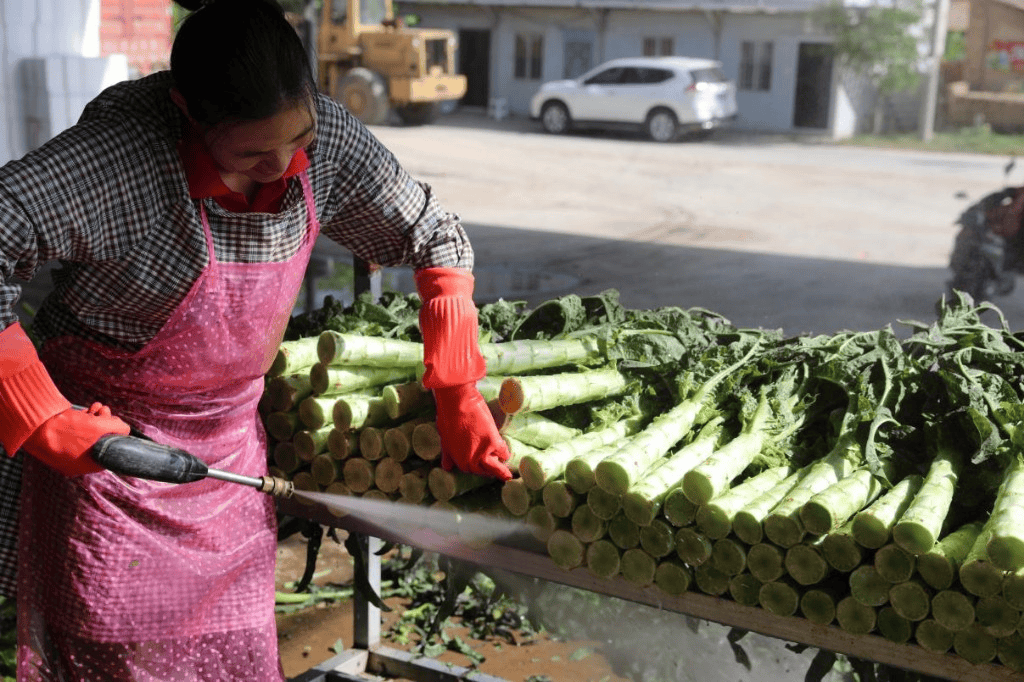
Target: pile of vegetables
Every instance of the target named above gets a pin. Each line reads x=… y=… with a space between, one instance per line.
x=856 y=479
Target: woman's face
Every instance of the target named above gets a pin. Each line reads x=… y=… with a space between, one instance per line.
x=261 y=150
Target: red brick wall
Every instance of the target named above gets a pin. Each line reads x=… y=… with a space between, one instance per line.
x=140 y=29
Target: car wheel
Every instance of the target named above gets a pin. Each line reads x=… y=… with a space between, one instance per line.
x=662 y=125
x=555 y=118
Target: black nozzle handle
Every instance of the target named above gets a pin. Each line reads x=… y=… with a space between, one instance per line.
x=130 y=456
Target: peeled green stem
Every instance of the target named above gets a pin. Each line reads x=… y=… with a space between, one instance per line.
x=642 y=500
x=308 y=444
x=893 y=626
x=953 y=609
x=622 y=470
x=603 y=559
x=316 y=412
x=911 y=599
x=536 y=393
x=805 y=564
x=748 y=521
x=729 y=556
x=445 y=485
x=516 y=357
x=604 y=504
x=1006 y=523
x=712 y=476
x=692 y=547
x=766 y=562
x=745 y=589
x=331 y=381
x=1013 y=589
x=715 y=518
x=358 y=410
x=781 y=597
x=401 y=400
x=537 y=430
x=673 y=577
x=549 y=464
x=918 y=528
x=941 y=564
x=1010 y=651
x=294 y=357
x=559 y=499
x=638 y=567
x=677 y=509
x=579 y=471
x=818 y=606
x=831 y=508
x=565 y=549
x=286 y=392
x=997 y=616
x=517 y=498
x=782 y=524
x=710 y=580
x=623 y=532
x=587 y=526
x=336 y=349
x=282 y=425
x=868 y=587
x=657 y=539
x=894 y=563
x=933 y=636
x=855 y=617
x=974 y=645
x=873 y=526
x=978 y=575
x=840 y=550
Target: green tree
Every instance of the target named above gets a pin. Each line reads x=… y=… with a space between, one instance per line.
x=877 y=43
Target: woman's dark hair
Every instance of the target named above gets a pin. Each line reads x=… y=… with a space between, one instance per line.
x=239 y=60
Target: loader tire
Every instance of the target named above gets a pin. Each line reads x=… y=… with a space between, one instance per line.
x=365 y=95
x=418 y=113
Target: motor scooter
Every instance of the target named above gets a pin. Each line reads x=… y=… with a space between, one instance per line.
x=988 y=251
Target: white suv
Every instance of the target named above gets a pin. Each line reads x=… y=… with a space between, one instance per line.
x=662 y=95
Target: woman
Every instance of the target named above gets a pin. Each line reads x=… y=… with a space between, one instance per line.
x=184 y=207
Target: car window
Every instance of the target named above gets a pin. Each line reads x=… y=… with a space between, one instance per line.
x=653 y=75
x=712 y=74
x=610 y=76
x=645 y=75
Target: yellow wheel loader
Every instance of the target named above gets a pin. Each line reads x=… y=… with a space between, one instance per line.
x=372 y=63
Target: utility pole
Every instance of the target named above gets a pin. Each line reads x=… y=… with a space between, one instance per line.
x=934 y=78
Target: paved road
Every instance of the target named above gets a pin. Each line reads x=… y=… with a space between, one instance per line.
x=769 y=231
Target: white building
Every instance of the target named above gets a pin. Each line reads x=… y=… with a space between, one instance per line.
x=785 y=71
x=49 y=69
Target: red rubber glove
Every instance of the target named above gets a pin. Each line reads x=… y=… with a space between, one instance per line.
x=34 y=414
x=451 y=355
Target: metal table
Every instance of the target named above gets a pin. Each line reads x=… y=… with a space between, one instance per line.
x=367 y=654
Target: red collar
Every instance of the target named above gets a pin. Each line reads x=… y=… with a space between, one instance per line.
x=204 y=179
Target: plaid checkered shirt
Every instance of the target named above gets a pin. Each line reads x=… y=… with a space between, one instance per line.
x=110 y=200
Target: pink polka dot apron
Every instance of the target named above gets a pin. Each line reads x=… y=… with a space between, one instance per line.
x=126 y=579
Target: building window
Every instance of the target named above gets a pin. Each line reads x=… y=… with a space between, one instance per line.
x=755 y=65
x=529 y=56
x=655 y=47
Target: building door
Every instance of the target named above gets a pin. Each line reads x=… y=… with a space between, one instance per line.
x=813 y=85
x=475 y=64
x=579 y=53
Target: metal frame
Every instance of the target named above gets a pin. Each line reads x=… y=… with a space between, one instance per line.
x=368 y=656
x=529 y=559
